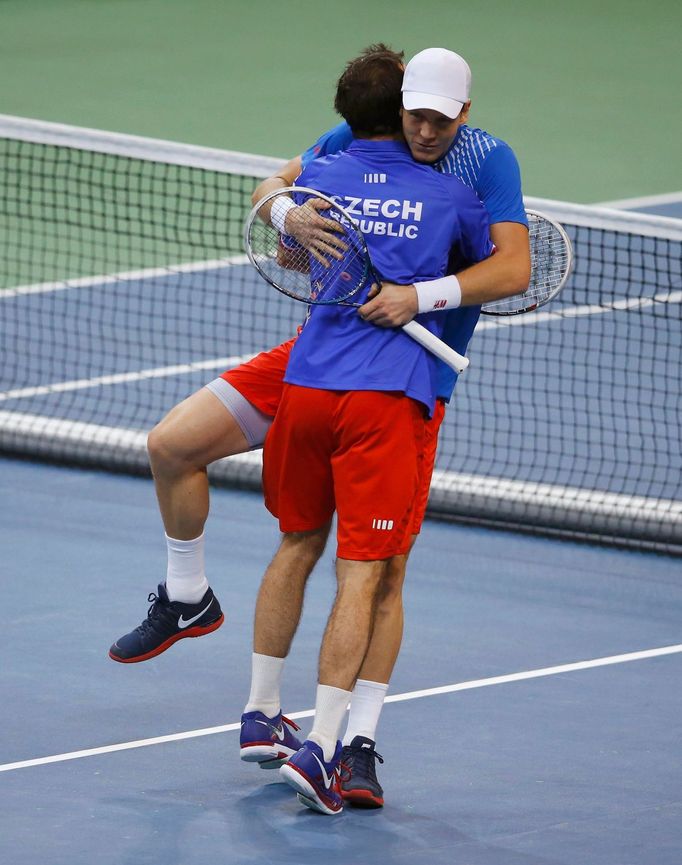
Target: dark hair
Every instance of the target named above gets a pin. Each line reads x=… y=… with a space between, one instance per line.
x=368 y=93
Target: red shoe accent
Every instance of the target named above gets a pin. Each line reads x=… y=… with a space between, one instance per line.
x=197 y=631
x=362 y=798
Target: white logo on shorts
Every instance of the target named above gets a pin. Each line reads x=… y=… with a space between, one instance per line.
x=382 y=525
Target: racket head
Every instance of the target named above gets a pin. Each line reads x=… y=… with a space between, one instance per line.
x=551 y=255
x=312 y=277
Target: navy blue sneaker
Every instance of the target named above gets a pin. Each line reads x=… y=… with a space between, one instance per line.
x=315 y=781
x=167 y=622
x=267 y=741
x=360 y=786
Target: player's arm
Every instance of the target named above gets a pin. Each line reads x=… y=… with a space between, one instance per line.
x=285 y=177
x=503 y=274
x=316 y=234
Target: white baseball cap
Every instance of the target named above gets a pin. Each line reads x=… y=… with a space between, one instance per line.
x=438 y=79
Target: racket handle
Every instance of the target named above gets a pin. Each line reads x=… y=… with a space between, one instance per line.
x=436 y=346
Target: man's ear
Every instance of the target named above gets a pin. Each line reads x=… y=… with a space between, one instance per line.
x=464 y=113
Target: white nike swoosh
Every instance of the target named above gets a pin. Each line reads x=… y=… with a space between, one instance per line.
x=327 y=779
x=185 y=623
x=278 y=731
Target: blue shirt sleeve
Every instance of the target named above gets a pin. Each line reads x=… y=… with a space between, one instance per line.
x=474 y=243
x=335 y=139
x=499 y=187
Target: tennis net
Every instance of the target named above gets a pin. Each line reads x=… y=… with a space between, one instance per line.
x=124 y=287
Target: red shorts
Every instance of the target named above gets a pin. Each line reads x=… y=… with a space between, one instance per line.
x=427 y=458
x=260 y=380
x=356 y=452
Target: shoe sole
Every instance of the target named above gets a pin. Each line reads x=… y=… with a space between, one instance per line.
x=267 y=756
x=305 y=791
x=197 y=631
x=362 y=799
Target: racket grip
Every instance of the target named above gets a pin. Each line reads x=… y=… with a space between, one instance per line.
x=436 y=346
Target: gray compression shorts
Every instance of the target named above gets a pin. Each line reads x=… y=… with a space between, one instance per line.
x=252 y=422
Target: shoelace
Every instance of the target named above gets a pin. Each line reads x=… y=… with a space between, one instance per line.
x=292 y=724
x=363 y=759
x=344 y=773
x=154 y=612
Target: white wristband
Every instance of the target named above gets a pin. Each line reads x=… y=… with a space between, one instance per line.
x=278 y=212
x=444 y=293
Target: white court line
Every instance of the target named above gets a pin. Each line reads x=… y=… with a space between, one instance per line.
x=643 y=201
x=533 y=318
x=623 y=304
x=395 y=698
x=122 y=276
x=126 y=377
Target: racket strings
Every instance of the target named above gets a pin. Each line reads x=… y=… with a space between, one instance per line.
x=551 y=257
x=307 y=262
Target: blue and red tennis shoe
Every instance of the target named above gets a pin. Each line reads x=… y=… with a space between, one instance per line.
x=359 y=785
x=316 y=781
x=167 y=622
x=267 y=741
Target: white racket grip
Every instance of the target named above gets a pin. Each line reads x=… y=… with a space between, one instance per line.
x=436 y=346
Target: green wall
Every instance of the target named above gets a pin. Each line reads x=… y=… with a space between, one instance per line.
x=588 y=93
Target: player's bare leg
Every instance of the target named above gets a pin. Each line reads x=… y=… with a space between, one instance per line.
x=280 y=597
x=362 y=788
x=194 y=434
x=267 y=737
x=344 y=646
x=349 y=628
x=387 y=634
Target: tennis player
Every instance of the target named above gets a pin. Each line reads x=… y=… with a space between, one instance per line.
x=204 y=428
x=348 y=432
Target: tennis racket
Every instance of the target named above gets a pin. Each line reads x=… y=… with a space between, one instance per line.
x=551 y=256
x=332 y=267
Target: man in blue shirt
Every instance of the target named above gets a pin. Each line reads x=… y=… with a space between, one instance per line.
x=348 y=431
x=489 y=167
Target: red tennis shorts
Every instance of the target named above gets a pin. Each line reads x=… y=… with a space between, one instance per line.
x=427 y=458
x=356 y=452
x=260 y=380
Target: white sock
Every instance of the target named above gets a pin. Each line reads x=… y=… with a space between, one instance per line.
x=330 y=707
x=186 y=578
x=266 y=674
x=366 y=704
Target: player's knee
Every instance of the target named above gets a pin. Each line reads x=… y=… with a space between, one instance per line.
x=391 y=587
x=164 y=454
x=308 y=546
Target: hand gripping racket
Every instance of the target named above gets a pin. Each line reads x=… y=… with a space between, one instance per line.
x=551 y=258
x=323 y=260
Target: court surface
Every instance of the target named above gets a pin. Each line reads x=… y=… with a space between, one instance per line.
x=577 y=765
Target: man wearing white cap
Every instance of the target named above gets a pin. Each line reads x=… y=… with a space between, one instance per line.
x=205 y=428
x=436 y=87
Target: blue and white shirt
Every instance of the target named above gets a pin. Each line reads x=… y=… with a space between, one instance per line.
x=411 y=217
x=488 y=166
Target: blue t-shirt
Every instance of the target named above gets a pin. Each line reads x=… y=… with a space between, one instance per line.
x=411 y=217
x=487 y=165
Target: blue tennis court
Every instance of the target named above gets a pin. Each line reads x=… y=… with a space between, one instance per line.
x=512 y=757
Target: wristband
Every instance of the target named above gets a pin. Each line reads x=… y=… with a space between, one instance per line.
x=444 y=293
x=278 y=212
